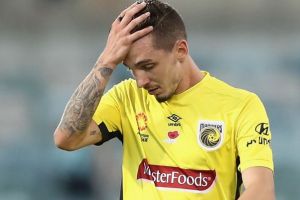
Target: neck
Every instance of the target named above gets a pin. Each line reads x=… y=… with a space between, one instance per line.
x=191 y=75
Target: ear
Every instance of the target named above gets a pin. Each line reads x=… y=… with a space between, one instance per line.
x=181 y=50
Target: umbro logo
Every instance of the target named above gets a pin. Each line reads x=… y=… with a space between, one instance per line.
x=175 y=120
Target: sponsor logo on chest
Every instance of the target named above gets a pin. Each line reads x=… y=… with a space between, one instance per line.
x=172 y=137
x=142 y=123
x=167 y=177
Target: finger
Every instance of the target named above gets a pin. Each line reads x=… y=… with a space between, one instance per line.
x=136 y=22
x=124 y=11
x=131 y=12
x=139 y=34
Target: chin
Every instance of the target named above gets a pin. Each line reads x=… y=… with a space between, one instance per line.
x=163 y=98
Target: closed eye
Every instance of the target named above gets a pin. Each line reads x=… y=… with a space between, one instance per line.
x=148 y=67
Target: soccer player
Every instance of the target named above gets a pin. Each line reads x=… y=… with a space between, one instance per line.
x=185 y=134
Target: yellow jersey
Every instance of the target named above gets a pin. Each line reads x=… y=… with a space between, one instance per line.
x=189 y=147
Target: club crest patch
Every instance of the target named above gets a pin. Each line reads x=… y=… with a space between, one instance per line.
x=210 y=134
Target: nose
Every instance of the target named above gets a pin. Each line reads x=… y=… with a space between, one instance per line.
x=141 y=78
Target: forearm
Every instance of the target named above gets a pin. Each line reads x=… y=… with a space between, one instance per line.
x=83 y=103
x=258 y=193
x=79 y=111
x=259 y=184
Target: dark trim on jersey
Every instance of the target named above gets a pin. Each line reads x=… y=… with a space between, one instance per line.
x=239 y=180
x=106 y=135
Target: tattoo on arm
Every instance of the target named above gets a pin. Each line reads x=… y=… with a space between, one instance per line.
x=105 y=72
x=93 y=132
x=83 y=103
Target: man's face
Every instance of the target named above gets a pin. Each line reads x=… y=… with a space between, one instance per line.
x=156 y=70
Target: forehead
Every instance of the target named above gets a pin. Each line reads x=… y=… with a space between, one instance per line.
x=142 y=49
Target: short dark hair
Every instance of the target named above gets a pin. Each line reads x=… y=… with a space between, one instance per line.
x=167 y=23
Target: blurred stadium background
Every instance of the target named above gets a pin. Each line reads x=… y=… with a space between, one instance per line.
x=48 y=46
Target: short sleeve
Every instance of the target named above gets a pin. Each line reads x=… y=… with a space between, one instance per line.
x=254 y=135
x=107 y=115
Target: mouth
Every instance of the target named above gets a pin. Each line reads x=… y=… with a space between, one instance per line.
x=152 y=91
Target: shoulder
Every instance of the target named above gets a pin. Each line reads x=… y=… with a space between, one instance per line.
x=124 y=86
x=126 y=89
x=227 y=91
x=227 y=94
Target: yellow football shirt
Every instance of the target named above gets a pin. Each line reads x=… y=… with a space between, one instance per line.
x=189 y=147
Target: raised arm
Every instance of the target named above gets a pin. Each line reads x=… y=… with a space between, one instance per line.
x=76 y=128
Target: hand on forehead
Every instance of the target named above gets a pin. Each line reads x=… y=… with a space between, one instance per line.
x=132 y=10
